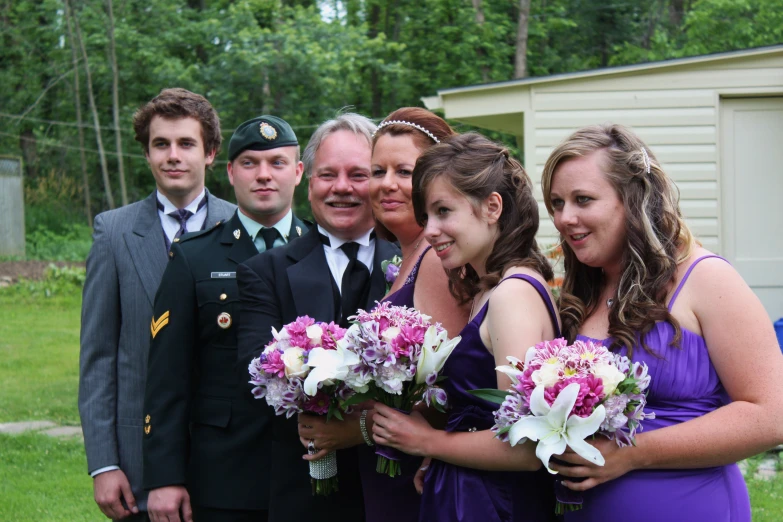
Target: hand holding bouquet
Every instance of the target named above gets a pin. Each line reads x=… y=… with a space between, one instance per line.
x=563 y=393
x=285 y=374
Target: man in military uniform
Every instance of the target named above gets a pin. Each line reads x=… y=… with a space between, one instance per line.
x=205 y=456
x=327 y=274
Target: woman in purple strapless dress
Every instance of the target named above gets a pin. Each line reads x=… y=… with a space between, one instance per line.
x=638 y=281
x=420 y=283
x=481 y=219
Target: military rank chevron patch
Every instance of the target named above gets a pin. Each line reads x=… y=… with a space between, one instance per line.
x=157 y=326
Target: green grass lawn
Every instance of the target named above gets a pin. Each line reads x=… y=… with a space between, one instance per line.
x=45 y=479
x=39 y=357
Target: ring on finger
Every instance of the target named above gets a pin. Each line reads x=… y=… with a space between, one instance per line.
x=311 y=446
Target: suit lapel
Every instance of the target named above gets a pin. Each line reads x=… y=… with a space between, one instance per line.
x=214 y=215
x=310 y=278
x=147 y=246
x=242 y=247
x=383 y=251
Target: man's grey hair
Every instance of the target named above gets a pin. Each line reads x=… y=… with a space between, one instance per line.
x=349 y=121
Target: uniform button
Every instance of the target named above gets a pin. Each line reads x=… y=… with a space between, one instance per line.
x=223 y=297
x=171 y=254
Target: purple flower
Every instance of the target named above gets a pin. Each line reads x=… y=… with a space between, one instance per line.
x=392 y=271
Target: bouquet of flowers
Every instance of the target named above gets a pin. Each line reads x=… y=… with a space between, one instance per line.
x=400 y=353
x=563 y=393
x=285 y=376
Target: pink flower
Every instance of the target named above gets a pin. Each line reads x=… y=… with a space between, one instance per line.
x=274 y=363
x=408 y=338
x=319 y=403
x=332 y=334
x=591 y=392
x=297 y=330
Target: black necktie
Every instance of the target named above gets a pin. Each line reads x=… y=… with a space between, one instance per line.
x=355 y=284
x=270 y=235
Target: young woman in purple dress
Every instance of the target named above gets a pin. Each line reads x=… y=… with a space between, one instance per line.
x=480 y=217
x=638 y=281
x=420 y=283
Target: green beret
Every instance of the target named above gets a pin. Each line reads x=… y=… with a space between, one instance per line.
x=261 y=133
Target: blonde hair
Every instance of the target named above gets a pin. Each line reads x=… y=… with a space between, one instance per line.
x=657 y=238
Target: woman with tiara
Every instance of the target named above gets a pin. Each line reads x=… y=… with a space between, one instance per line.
x=420 y=283
x=637 y=281
x=476 y=204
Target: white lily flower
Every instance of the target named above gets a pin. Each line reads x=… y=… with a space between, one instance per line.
x=552 y=427
x=511 y=369
x=328 y=366
x=434 y=351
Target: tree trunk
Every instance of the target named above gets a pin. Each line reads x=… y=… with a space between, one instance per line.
x=677 y=10
x=29 y=145
x=479 y=11
x=375 y=83
x=115 y=99
x=78 y=105
x=96 y=120
x=520 y=60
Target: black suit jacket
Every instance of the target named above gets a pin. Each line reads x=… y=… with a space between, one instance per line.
x=275 y=288
x=202 y=428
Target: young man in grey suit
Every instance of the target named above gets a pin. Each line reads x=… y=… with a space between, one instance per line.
x=180 y=134
x=327 y=274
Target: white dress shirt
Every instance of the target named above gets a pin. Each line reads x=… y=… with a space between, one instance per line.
x=171 y=224
x=338 y=260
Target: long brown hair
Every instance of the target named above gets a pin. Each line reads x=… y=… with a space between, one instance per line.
x=476 y=167
x=657 y=238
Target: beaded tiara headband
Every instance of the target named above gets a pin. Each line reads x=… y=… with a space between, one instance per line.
x=409 y=124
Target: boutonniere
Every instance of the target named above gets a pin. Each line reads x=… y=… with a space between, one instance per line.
x=391 y=269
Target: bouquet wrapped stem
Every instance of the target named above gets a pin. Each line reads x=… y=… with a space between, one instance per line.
x=323 y=473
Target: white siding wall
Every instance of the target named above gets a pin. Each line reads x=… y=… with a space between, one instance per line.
x=675 y=110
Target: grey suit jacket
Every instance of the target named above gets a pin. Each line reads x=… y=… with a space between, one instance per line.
x=124 y=268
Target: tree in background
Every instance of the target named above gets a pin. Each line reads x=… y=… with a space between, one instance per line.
x=303 y=60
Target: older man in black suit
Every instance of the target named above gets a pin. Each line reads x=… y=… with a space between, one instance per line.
x=328 y=274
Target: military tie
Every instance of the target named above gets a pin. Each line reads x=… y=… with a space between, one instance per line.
x=269 y=235
x=355 y=283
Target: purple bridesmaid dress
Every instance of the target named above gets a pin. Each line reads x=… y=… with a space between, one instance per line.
x=455 y=493
x=389 y=499
x=684 y=386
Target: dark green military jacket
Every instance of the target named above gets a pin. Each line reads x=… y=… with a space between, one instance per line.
x=202 y=429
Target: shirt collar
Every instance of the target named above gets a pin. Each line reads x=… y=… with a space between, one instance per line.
x=169 y=207
x=253 y=227
x=336 y=242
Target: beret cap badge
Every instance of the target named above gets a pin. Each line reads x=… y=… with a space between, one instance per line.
x=267 y=131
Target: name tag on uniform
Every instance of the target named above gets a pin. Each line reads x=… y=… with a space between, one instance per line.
x=224 y=275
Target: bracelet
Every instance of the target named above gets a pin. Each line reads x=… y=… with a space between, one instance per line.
x=363 y=427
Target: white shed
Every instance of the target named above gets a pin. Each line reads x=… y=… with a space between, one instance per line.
x=715 y=122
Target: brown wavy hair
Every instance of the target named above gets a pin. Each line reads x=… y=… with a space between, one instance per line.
x=179 y=103
x=657 y=238
x=476 y=167
x=423 y=118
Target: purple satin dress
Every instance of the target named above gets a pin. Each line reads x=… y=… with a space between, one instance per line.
x=684 y=386
x=389 y=499
x=458 y=494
